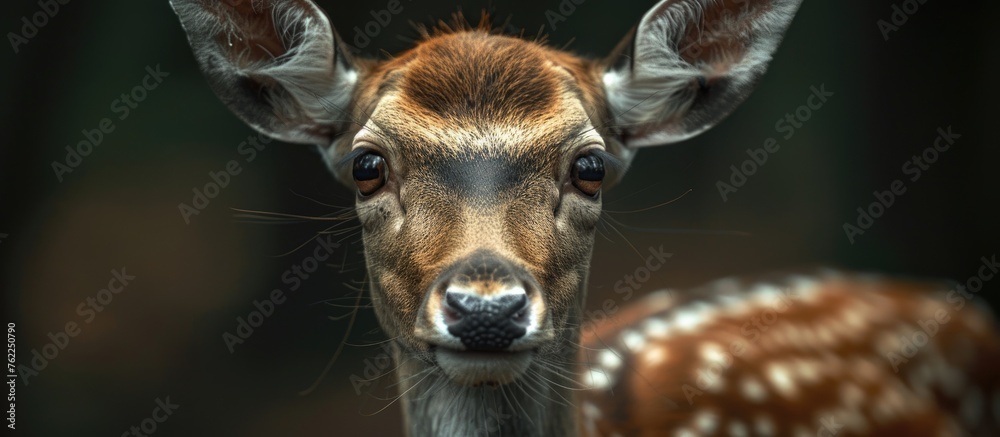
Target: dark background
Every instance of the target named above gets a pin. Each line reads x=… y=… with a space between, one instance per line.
x=162 y=336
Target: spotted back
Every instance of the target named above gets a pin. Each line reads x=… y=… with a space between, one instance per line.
x=809 y=356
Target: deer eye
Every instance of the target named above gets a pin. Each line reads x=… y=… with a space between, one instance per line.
x=369 y=173
x=588 y=173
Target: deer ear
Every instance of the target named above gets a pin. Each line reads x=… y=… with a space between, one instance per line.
x=276 y=63
x=689 y=64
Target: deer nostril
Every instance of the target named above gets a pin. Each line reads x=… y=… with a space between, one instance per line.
x=486 y=324
x=521 y=317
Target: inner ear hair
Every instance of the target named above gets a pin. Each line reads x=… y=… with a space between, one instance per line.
x=689 y=63
x=277 y=64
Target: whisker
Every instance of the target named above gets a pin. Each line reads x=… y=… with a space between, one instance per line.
x=402 y=394
x=317 y=201
x=624 y=238
x=336 y=354
x=264 y=215
x=518 y=403
x=651 y=207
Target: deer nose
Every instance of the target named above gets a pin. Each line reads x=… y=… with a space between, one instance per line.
x=483 y=302
x=486 y=324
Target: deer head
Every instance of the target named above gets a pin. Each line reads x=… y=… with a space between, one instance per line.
x=479 y=161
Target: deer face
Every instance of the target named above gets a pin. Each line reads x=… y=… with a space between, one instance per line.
x=478 y=204
x=479 y=159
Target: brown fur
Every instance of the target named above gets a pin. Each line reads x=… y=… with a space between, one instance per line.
x=479 y=132
x=454 y=86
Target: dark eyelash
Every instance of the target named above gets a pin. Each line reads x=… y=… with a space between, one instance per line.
x=612 y=164
x=348 y=159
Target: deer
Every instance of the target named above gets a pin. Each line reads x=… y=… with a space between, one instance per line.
x=479 y=159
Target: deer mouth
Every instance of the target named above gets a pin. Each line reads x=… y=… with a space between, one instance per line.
x=483 y=368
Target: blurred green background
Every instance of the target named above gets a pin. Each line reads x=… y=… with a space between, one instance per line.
x=162 y=336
